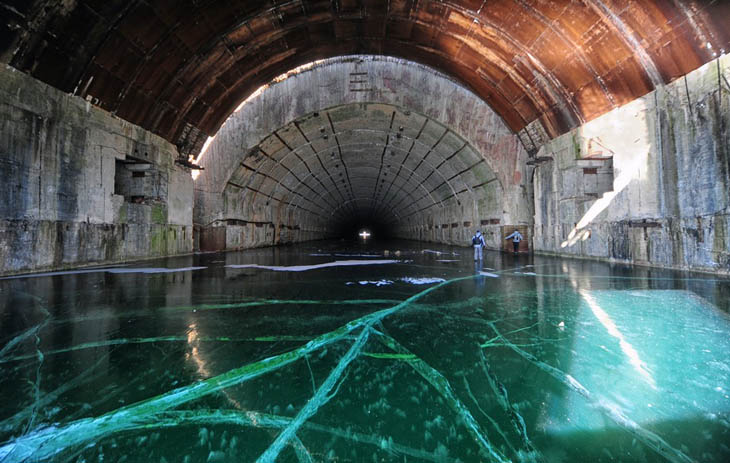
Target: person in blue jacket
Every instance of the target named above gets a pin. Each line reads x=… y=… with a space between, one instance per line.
x=516 y=238
x=478 y=242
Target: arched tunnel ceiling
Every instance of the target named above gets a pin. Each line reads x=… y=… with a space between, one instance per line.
x=367 y=163
x=179 y=67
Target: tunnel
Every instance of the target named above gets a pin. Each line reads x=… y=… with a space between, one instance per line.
x=365 y=230
x=475 y=91
x=353 y=165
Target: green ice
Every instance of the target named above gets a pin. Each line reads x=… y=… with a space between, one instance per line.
x=553 y=360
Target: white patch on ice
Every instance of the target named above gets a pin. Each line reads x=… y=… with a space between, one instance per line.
x=152 y=270
x=376 y=283
x=303 y=268
x=422 y=281
x=357 y=255
x=487 y=274
x=320 y=255
x=429 y=251
x=639 y=294
x=107 y=270
x=448 y=260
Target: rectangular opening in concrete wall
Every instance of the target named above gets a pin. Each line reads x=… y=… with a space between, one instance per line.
x=136 y=180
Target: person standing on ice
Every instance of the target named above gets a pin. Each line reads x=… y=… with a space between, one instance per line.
x=516 y=238
x=478 y=242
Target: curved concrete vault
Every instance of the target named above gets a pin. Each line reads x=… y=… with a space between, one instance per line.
x=179 y=68
x=415 y=154
x=361 y=164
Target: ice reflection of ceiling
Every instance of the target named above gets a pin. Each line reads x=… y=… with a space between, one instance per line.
x=367 y=161
x=179 y=68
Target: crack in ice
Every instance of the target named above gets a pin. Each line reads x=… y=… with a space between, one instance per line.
x=650 y=439
x=45 y=443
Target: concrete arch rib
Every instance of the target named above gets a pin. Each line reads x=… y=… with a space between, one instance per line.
x=297 y=198
x=293 y=191
x=316 y=153
x=421 y=179
x=311 y=138
x=447 y=148
x=366 y=199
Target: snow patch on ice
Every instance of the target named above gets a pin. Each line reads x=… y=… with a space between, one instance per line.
x=487 y=274
x=153 y=270
x=357 y=255
x=367 y=282
x=303 y=268
x=422 y=281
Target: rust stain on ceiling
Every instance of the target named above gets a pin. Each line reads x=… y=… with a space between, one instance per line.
x=179 y=67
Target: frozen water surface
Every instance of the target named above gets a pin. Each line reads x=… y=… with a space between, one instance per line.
x=270 y=355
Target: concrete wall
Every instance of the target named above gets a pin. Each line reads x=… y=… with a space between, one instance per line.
x=657 y=189
x=391 y=81
x=60 y=160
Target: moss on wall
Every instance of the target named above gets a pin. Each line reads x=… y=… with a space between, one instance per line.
x=158 y=214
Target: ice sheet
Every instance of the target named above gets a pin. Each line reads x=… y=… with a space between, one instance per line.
x=571 y=366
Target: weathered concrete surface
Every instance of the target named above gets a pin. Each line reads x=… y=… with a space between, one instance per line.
x=669 y=204
x=265 y=123
x=62 y=159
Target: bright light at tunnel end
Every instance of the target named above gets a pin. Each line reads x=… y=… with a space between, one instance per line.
x=364 y=235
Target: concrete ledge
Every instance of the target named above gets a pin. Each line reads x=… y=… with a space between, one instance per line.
x=40 y=245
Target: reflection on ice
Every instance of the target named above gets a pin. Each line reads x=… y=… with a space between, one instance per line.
x=626 y=347
x=115 y=270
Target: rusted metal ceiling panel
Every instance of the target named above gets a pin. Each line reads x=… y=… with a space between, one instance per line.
x=556 y=61
x=142 y=27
